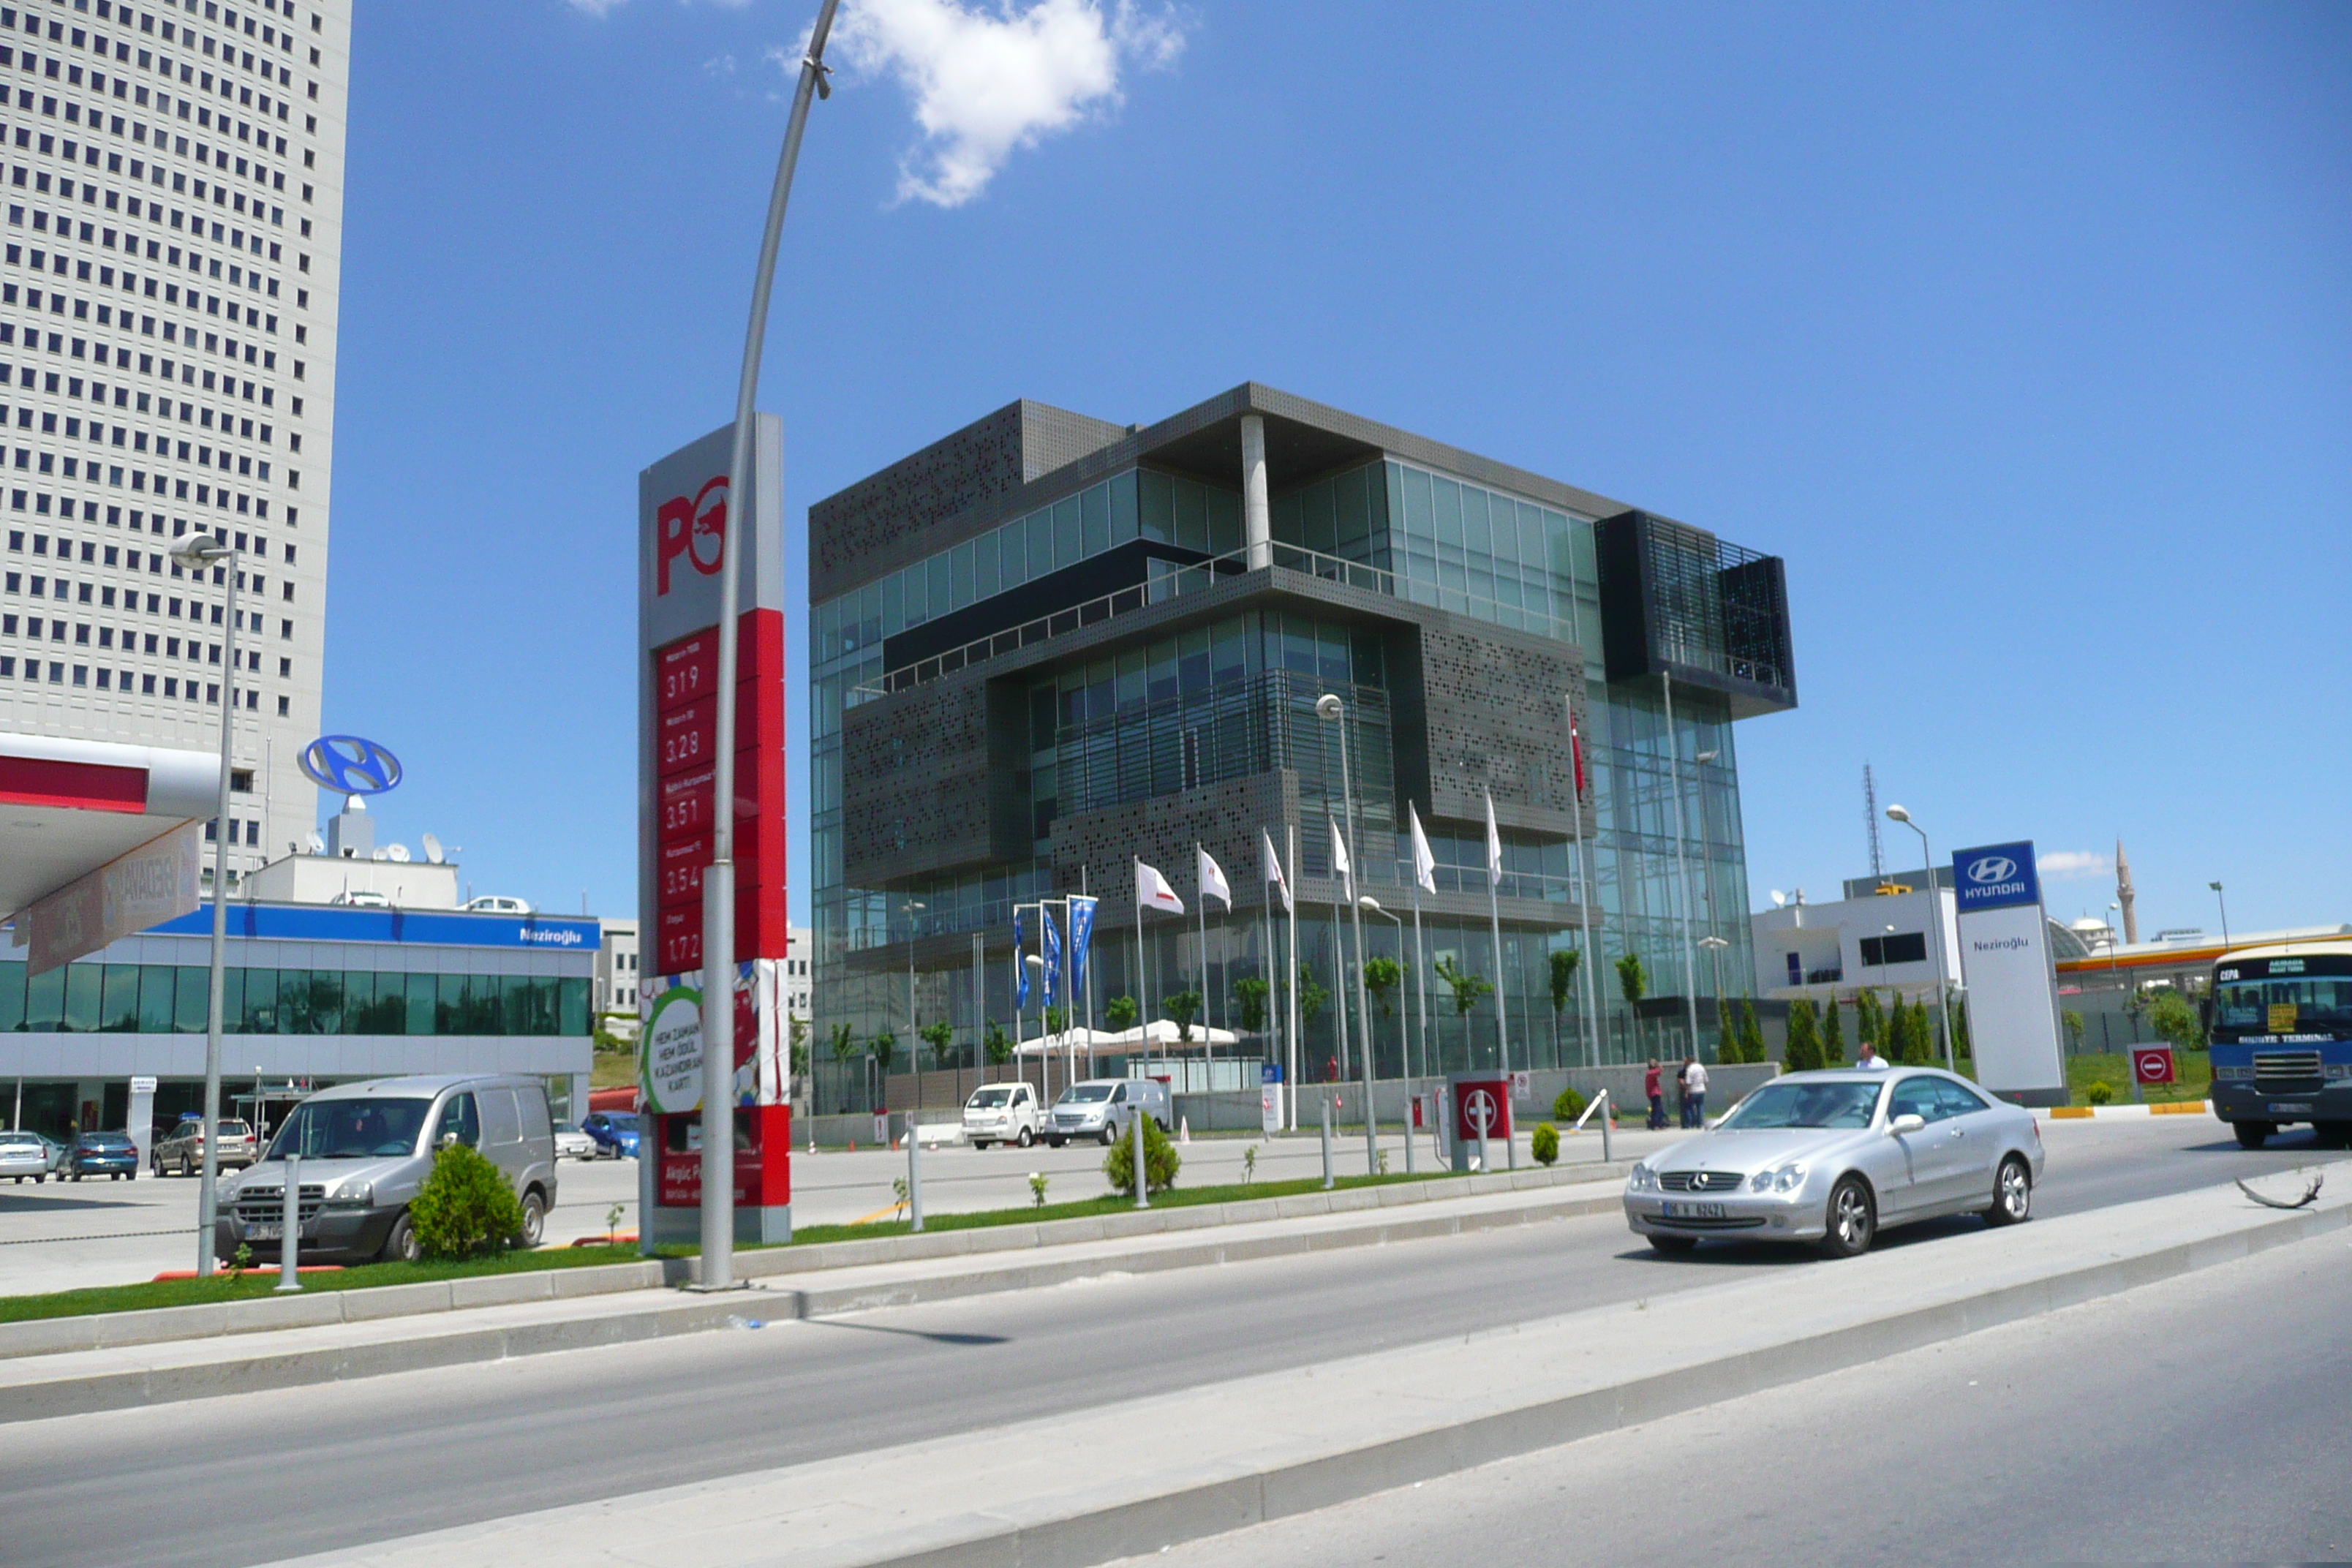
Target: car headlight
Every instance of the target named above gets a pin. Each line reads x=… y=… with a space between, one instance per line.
x=1786 y=1179
x=352 y=1196
x=1643 y=1179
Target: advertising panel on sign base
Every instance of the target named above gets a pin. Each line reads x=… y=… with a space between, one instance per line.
x=2010 y=986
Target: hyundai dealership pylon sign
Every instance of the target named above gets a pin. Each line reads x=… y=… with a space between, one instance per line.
x=686 y=523
x=2013 y=998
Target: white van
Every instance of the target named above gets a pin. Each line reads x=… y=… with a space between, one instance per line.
x=1099 y=1109
x=1003 y=1114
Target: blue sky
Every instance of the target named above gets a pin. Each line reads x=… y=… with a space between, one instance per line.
x=2025 y=333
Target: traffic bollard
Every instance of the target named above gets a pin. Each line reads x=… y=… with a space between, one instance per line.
x=1328 y=1182
x=289 y=1240
x=914 y=1175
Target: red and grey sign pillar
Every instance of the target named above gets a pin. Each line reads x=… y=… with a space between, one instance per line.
x=686 y=523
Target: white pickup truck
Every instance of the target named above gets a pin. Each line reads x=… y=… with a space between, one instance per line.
x=1003 y=1114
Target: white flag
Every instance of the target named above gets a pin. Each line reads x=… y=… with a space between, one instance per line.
x=1212 y=880
x=1339 y=866
x=1494 y=846
x=1424 y=864
x=1274 y=869
x=1152 y=891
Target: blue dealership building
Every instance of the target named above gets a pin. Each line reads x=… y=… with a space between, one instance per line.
x=316 y=994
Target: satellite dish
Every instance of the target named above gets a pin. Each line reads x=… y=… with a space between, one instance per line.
x=1779 y=898
x=396 y=852
x=433 y=850
x=315 y=842
x=380 y=855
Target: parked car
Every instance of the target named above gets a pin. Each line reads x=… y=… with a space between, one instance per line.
x=615 y=1132
x=1835 y=1157
x=490 y=903
x=183 y=1148
x=361 y=899
x=25 y=1156
x=1003 y=1114
x=367 y=1147
x=110 y=1154
x=571 y=1143
x=1100 y=1109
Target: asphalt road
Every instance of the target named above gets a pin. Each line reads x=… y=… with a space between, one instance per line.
x=276 y=1474
x=2191 y=1421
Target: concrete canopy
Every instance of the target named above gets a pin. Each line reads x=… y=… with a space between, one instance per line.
x=69 y=806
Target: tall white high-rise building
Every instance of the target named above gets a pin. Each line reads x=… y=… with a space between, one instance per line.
x=174 y=196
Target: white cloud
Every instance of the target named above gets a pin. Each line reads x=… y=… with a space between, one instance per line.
x=988 y=81
x=2074 y=864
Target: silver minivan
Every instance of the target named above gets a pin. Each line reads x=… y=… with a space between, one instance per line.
x=365 y=1150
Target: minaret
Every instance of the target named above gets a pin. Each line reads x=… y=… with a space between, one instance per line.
x=2124 y=894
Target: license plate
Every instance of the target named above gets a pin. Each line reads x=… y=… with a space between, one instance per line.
x=258 y=1232
x=2284 y=1108
x=1693 y=1211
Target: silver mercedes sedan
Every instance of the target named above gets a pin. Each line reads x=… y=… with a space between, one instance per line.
x=1832 y=1158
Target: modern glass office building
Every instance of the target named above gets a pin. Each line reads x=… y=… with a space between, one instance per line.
x=1047 y=644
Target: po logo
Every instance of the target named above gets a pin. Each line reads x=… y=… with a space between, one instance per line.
x=695 y=528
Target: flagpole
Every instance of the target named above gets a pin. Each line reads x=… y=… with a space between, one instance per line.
x=1290 y=1069
x=1583 y=880
x=1201 y=925
x=1142 y=990
x=1494 y=912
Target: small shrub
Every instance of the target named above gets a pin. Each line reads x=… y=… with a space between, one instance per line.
x=465 y=1209
x=1038 y=1181
x=1568 y=1106
x=2099 y=1092
x=1160 y=1161
x=1249 y=1165
x=1545 y=1144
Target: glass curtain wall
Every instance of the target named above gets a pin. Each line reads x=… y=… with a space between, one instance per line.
x=175 y=999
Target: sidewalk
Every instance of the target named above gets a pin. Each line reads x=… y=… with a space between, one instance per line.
x=1090 y=1487
x=341 y=1335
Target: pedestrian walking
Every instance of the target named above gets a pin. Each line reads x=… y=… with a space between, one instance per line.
x=1655 y=1091
x=1870 y=1060
x=1695 y=1093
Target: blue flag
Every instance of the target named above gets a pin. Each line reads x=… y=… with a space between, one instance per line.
x=1052 y=949
x=1020 y=970
x=1082 y=933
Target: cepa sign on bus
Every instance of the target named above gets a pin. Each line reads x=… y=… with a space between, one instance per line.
x=685 y=520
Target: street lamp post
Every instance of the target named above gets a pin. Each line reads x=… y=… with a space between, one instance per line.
x=1404 y=1047
x=2224 y=902
x=717 y=1270
x=194 y=555
x=1715 y=946
x=1706 y=895
x=1329 y=706
x=1934 y=934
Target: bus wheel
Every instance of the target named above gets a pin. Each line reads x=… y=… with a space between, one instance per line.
x=2252 y=1134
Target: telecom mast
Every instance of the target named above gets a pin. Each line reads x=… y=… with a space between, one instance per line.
x=1870 y=820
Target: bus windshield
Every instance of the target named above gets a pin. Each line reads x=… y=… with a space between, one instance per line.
x=2311 y=1005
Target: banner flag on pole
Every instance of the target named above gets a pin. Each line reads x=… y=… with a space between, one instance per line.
x=1339 y=866
x=1212 y=880
x=1274 y=869
x=1050 y=943
x=1494 y=846
x=1424 y=864
x=1152 y=891
x=1019 y=969
x=1576 y=751
x=1082 y=936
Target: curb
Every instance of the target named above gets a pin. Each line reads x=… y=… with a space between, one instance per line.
x=134 y=1387
x=2169 y=1108
x=158 y=1325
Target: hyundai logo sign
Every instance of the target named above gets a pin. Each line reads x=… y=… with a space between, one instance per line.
x=1996 y=876
x=349 y=765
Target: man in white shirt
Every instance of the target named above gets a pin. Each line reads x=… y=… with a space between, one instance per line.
x=1870 y=1060
x=1695 y=1093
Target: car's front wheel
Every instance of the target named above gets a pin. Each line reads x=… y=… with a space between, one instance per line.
x=2013 y=1193
x=1852 y=1219
x=1109 y=1135
x=1027 y=1138
x=402 y=1245
x=2252 y=1134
